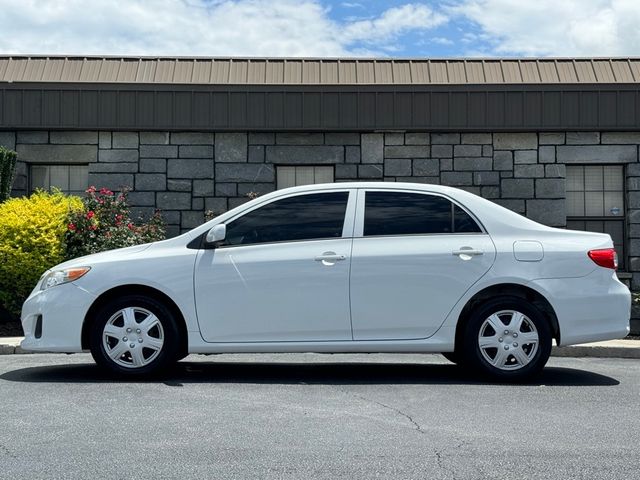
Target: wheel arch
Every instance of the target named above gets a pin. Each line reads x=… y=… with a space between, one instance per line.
x=134 y=289
x=513 y=290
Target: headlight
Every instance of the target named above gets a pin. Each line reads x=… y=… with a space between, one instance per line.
x=58 y=277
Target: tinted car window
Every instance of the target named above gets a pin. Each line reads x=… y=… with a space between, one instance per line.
x=399 y=213
x=463 y=223
x=302 y=217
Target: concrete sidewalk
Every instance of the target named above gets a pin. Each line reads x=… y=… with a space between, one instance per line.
x=610 y=349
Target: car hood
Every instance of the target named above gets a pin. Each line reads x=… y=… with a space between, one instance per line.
x=108 y=255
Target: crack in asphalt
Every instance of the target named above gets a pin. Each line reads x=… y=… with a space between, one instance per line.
x=416 y=426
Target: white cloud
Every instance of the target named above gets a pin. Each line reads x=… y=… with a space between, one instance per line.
x=201 y=27
x=556 y=28
x=393 y=22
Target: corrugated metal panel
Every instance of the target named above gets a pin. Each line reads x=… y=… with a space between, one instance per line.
x=146 y=71
x=90 y=70
x=110 y=68
x=4 y=62
x=383 y=71
x=202 y=72
x=256 y=72
x=511 y=71
x=622 y=71
x=34 y=69
x=603 y=71
x=365 y=73
x=164 y=71
x=329 y=72
x=16 y=69
x=432 y=107
x=420 y=72
x=566 y=71
x=548 y=71
x=275 y=72
x=310 y=72
x=346 y=72
x=220 y=71
x=238 y=71
x=493 y=71
x=294 y=71
x=585 y=71
x=401 y=73
x=529 y=71
x=456 y=72
x=438 y=71
x=183 y=72
x=128 y=71
x=71 y=69
x=634 y=65
x=474 y=72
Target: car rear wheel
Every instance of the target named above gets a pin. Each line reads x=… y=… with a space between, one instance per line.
x=507 y=338
x=134 y=335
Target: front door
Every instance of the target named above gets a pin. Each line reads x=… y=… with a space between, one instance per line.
x=281 y=275
x=415 y=256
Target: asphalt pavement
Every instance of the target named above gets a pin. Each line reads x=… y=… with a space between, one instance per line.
x=310 y=416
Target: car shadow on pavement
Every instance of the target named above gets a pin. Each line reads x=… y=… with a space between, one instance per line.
x=302 y=373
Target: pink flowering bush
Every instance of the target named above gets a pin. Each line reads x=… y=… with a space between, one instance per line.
x=105 y=223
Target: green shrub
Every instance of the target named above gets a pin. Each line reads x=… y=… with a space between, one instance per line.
x=32 y=231
x=105 y=223
x=7 y=171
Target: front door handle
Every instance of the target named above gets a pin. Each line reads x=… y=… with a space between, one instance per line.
x=329 y=258
x=465 y=253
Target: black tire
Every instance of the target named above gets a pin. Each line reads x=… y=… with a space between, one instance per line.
x=158 y=358
x=537 y=357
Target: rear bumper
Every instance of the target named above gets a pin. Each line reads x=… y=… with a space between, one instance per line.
x=62 y=310
x=589 y=309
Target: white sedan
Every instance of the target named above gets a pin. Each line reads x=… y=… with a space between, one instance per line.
x=350 y=267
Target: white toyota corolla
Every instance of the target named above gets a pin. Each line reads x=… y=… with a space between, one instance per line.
x=351 y=267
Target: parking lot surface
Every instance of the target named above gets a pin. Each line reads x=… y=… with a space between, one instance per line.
x=309 y=416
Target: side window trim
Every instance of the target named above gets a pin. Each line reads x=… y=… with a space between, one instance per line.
x=358 y=231
x=347 y=226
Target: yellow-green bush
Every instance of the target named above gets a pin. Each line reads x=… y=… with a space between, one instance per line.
x=32 y=231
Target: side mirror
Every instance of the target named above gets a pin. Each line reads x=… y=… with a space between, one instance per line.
x=217 y=234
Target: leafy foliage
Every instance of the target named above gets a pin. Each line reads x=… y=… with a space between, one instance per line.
x=7 y=171
x=105 y=223
x=32 y=232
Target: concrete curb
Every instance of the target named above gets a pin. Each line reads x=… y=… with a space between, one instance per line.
x=610 y=349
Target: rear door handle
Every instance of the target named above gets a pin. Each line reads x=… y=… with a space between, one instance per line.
x=329 y=258
x=468 y=252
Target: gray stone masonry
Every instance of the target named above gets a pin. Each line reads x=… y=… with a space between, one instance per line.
x=186 y=174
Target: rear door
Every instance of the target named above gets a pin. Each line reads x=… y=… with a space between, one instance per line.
x=414 y=255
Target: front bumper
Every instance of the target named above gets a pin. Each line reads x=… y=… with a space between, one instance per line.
x=62 y=309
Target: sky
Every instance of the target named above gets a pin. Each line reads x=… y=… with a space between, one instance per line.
x=322 y=28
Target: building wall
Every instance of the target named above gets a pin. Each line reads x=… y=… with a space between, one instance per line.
x=187 y=173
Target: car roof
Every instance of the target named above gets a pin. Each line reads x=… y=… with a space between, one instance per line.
x=367 y=185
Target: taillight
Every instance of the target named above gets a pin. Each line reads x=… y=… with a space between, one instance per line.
x=605 y=257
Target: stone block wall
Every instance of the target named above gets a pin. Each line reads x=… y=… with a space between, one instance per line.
x=187 y=173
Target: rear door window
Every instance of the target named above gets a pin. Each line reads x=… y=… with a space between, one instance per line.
x=405 y=213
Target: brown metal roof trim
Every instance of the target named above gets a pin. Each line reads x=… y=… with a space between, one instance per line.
x=316 y=71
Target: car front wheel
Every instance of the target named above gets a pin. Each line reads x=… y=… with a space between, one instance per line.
x=507 y=338
x=134 y=335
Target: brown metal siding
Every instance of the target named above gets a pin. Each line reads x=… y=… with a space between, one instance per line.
x=294 y=71
x=363 y=107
